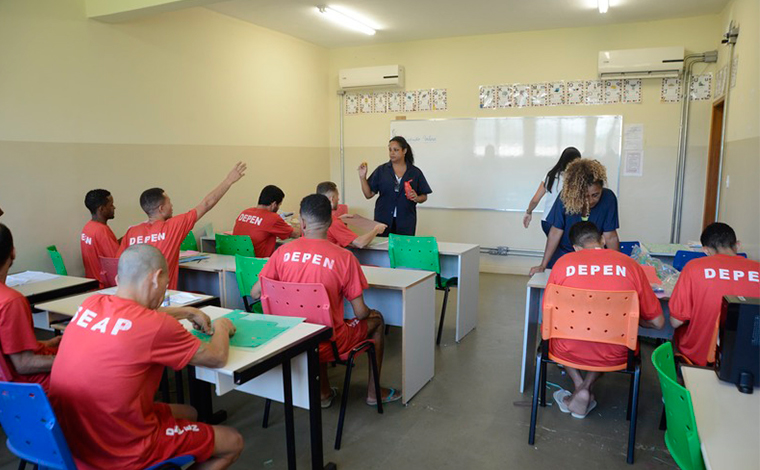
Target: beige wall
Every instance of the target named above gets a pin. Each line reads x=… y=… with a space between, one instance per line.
x=172 y=100
x=462 y=64
x=740 y=198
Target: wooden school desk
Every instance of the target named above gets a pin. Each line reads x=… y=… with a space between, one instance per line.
x=533 y=300
x=728 y=422
x=461 y=260
x=285 y=369
x=406 y=298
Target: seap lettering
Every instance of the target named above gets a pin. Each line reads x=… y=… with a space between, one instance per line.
x=86 y=318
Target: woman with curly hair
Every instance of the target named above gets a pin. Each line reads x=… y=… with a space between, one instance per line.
x=583 y=198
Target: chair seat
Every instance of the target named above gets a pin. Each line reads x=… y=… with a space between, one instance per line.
x=173 y=463
x=443 y=283
x=360 y=347
x=614 y=368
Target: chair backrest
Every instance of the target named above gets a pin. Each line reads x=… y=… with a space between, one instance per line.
x=55 y=256
x=189 y=243
x=414 y=252
x=682 y=257
x=247 y=272
x=34 y=433
x=627 y=247
x=108 y=269
x=292 y=299
x=610 y=317
x=681 y=436
x=234 y=245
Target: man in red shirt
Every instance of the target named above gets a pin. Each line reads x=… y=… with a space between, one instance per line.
x=696 y=301
x=313 y=259
x=591 y=266
x=166 y=232
x=97 y=238
x=339 y=233
x=22 y=357
x=109 y=367
x=262 y=223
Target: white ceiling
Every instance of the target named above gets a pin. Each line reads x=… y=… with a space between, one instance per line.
x=408 y=20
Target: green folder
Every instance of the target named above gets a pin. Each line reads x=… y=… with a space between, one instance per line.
x=254 y=330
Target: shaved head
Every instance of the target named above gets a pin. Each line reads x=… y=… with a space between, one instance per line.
x=138 y=262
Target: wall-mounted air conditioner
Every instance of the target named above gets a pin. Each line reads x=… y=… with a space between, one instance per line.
x=658 y=62
x=371 y=77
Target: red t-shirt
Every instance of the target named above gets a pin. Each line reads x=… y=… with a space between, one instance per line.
x=106 y=374
x=310 y=260
x=339 y=233
x=17 y=335
x=166 y=235
x=264 y=227
x=97 y=240
x=601 y=270
x=698 y=295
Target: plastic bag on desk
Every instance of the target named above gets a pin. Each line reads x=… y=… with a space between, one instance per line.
x=667 y=273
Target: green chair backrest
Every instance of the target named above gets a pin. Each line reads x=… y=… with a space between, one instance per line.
x=189 y=243
x=414 y=253
x=681 y=436
x=234 y=245
x=60 y=267
x=247 y=273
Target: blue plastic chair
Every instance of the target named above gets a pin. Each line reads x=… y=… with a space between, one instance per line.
x=682 y=257
x=627 y=247
x=34 y=434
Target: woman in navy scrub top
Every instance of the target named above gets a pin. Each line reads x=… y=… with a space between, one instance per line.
x=394 y=207
x=583 y=198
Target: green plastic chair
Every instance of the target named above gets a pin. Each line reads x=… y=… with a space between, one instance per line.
x=234 y=245
x=421 y=253
x=189 y=243
x=247 y=273
x=58 y=264
x=681 y=437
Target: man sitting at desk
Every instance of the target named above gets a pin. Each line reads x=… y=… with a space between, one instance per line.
x=262 y=223
x=109 y=368
x=22 y=357
x=166 y=232
x=696 y=301
x=592 y=266
x=338 y=232
x=97 y=238
x=313 y=259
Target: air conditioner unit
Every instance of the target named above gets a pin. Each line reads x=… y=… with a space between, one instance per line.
x=366 y=77
x=658 y=62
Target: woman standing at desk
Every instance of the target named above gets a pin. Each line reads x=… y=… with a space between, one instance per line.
x=583 y=198
x=400 y=185
x=552 y=185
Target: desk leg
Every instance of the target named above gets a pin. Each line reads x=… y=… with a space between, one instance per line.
x=290 y=431
x=315 y=413
x=467 y=293
x=200 y=398
x=530 y=331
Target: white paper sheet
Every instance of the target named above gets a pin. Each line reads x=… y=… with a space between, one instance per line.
x=28 y=277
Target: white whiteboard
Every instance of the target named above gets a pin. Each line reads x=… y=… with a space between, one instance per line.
x=498 y=163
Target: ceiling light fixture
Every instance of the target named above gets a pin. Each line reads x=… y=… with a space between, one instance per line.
x=345 y=20
x=604 y=5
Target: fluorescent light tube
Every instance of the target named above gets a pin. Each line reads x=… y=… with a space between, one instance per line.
x=604 y=5
x=345 y=20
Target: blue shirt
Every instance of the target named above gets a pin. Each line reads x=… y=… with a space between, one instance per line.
x=604 y=215
x=391 y=196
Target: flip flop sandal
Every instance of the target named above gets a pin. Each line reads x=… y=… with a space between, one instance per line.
x=559 y=398
x=591 y=406
x=327 y=402
x=393 y=396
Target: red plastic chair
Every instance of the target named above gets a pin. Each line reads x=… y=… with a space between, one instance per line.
x=610 y=317
x=310 y=301
x=108 y=269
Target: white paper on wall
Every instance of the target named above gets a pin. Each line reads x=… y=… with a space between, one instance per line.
x=670 y=91
x=504 y=96
x=365 y=103
x=395 y=101
x=440 y=99
x=613 y=91
x=488 y=96
x=633 y=162
x=633 y=137
x=539 y=94
x=351 y=103
x=521 y=96
x=632 y=90
x=410 y=101
x=594 y=91
x=701 y=87
x=424 y=102
x=380 y=102
x=575 y=92
x=556 y=93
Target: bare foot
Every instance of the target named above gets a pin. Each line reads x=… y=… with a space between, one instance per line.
x=579 y=401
